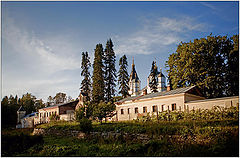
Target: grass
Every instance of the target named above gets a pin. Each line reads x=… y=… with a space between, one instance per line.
x=178 y=138
x=218 y=136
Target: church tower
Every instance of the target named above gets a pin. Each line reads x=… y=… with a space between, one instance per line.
x=161 y=82
x=134 y=82
x=20 y=113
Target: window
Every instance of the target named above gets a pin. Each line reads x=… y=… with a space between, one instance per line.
x=174 y=107
x=47 y=114
x=145 y=109
x=136 y=110
x=122 y=112
x=154 y=108
x=162 y=107
x=40 y=114
x=128 y=110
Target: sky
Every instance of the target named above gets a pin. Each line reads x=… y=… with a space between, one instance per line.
x=42 y=42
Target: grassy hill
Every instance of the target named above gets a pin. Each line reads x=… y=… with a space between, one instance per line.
x=189 y=136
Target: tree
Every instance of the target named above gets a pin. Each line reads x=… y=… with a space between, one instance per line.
x=204 y=63
x=233 y=67
x=28 y=102
x=123 y=77
x=39 y=104
x=70 y=99
x=98 y=75
x=60 y=98
x=50 y=101
x=9 y=112
x=153 y=78
x=104 y=110
x=86 y=82
x=110 y=71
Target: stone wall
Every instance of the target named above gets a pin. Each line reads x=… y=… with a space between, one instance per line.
x=106 y=135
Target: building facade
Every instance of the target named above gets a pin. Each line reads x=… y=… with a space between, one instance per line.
x=144 y=101
x=181 y=99
x=65 y=112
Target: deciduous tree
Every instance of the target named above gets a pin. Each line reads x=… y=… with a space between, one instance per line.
x=205 y=63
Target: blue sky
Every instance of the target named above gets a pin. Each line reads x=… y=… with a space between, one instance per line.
x=42 y=41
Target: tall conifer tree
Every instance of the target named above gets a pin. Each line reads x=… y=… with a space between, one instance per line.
x=98 y=75
x=86 y=82
x=153 y=79
x=123 y=77
x=110 y=71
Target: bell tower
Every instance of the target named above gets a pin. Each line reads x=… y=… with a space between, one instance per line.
x=134 y=82
x=161 y=82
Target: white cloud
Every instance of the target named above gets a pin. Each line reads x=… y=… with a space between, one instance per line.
x=156 y=35
x=42 y=65
x=29 y=45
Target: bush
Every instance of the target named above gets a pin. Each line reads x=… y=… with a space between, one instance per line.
x=85 y=125
x=54 y=117
x=13 y=144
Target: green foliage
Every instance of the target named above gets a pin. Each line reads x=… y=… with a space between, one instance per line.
x=60 y=98
x=80 y=113
x=153 y=78
x=207 y=63
x=17 y=141
x=109 y=71
x=54 y=117
x=216 y=113
x=28 y=103
x=104 y=110
x=9 y=112
x=123 y=77
x=86 y=82
x=208 y=133
x=85 y=125
x=98 y=75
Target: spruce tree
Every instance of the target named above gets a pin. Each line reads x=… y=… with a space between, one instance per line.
x=110 y=71
x=123 y=77
x=153 y=78
x=86 y=82
x=98 y=75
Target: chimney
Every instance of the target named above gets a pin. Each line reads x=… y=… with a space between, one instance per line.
x=144 y=91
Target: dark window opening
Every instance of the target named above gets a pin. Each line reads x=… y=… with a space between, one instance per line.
x=128 y=110
x=145 y=109
x=136 y=110
x=174 y=107
x=122 y=112
x=154 y=108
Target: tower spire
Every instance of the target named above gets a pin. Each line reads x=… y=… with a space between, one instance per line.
x=133 y=61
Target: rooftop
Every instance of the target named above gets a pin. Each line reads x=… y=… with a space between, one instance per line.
x=152 y=95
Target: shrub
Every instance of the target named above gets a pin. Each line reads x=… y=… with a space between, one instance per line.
x=80 y=113
x=85 y=125
x=54 y=117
